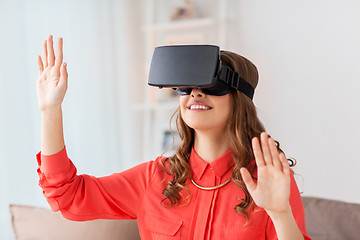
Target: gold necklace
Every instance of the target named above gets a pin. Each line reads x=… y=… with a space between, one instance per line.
x=210 y=188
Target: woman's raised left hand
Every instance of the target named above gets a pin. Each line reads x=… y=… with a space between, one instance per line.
x=272 y=189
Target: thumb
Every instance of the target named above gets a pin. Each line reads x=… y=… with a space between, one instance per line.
x=63 y=75
x=249 y=182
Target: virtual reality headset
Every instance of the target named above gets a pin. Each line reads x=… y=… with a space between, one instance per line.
x=184 y=67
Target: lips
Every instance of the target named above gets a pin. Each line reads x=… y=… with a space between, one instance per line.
x=198 y=106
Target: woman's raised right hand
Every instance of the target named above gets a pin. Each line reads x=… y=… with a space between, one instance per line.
x=53 y=76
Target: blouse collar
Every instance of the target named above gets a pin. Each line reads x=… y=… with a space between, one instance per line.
x=220 y=165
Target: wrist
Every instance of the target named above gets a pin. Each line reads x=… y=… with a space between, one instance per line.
x=278 y=215
x=51 y=110
x=285 y=224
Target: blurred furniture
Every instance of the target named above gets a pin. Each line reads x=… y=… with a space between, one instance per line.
x=42 y=224
x=331 y=220
x=325 y=220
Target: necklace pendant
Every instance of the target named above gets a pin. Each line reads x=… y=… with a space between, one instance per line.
x=210 y=188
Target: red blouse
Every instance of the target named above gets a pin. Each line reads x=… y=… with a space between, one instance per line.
x=137 y=193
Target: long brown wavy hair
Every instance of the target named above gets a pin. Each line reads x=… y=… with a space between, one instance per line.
x=243 y=126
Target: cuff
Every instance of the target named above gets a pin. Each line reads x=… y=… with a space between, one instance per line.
x=53 y=164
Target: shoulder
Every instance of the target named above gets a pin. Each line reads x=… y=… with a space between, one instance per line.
x=145 y=170
x=161 y=165
x=157 y=173
x=158 y=167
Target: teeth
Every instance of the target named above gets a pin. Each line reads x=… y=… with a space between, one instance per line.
x=201 y=107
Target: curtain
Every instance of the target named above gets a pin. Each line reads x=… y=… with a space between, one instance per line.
x=102 y=45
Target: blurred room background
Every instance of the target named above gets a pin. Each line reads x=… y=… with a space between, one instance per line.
x=307 y=53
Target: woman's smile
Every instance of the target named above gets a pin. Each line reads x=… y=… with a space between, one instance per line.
x=199 y=106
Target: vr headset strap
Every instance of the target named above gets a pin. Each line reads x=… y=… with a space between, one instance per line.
x=233 y=79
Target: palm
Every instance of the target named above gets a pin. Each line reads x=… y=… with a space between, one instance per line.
x=52 y=79
x=272 y=189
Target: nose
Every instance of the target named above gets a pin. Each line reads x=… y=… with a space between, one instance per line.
x=197 y=93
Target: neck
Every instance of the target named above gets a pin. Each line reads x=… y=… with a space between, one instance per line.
x=210 y=146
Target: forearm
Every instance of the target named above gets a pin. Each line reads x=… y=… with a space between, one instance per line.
x=52 y=136
x=285 y=226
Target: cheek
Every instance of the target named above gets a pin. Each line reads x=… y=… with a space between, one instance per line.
x=225 y=103
x=182 y=103
x=224 y=116
x=226 y=108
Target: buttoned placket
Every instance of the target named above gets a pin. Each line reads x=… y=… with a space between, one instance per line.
x=212 y=207
x=207 y=176
x=203 y=204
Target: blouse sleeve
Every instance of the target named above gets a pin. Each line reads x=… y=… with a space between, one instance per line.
x=297 y=208
x=84 y=197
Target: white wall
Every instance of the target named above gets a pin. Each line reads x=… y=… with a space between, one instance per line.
x=102 y=51
x=308 y=56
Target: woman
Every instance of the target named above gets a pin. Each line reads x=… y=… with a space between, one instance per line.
x=191 y=195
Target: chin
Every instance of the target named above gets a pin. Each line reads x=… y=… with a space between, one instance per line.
x=201 y=126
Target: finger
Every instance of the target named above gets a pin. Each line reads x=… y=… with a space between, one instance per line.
x=59 y=53
x=50 y=51
x=45 y=53
x=274 y=154
x=285 y=164
x=259 y=159
x=249 y=182
x=63 y=75
x=265 y=148
x=40 y=64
